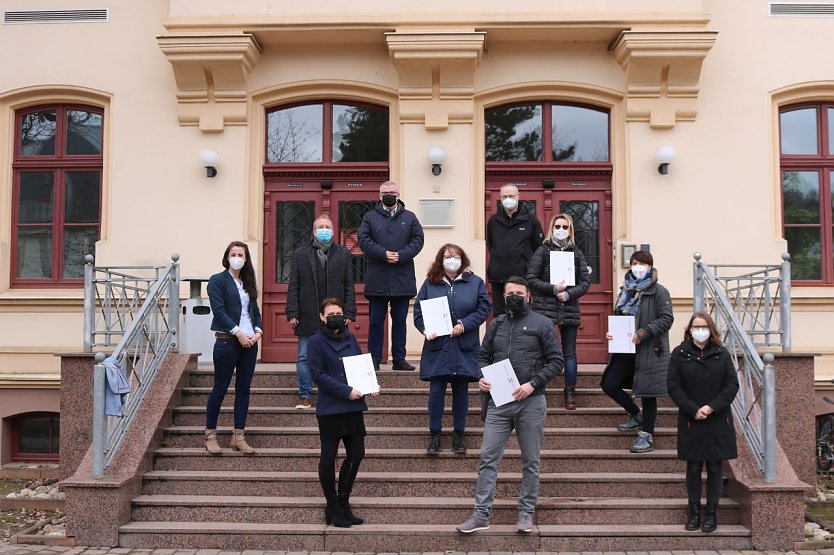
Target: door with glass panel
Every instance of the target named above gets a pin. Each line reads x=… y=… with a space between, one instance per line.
x=557 y=154
x=329 y=158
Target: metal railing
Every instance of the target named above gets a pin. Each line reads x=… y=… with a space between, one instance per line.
x=740 y=317
x=139 y=306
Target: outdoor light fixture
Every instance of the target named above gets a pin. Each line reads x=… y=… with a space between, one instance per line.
x=436 y=156
x=209 y=158
x=665 y=155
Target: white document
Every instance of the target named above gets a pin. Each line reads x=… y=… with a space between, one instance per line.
x=437 y=318
x=359 y=370
x=562 y=268
x=622 y=328
x=503 y=380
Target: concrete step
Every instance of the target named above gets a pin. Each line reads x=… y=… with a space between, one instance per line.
x=416 y=460
x=422 y=510
x=435 y=538
x=646 y=485
x=401 y=397
x=583 y=417
x=267 y=376
x=414 y=438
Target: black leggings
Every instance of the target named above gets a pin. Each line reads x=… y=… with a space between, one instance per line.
x=354 y=453
x=693 y=481
x=620 y=373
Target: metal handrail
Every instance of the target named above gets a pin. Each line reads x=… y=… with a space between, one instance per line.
x=754 y=408
x=144 y=313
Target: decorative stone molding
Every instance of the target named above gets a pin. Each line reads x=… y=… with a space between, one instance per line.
x=436 y=70
x=210 y=71
x=663 y=70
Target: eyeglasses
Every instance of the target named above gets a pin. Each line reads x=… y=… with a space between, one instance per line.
x=699 y=328
x=561 y=227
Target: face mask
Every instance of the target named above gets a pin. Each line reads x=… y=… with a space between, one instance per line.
x=389 y=200
x=700 y=335
x=236 y=263
x=639 y=271
x=452 y=263
x=516 y=303
x=335 y=321
x=324 y=235
x=560 y=234
x=509 y=203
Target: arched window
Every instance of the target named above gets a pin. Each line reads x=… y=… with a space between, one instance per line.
x=327 y=132
x=546 y=132
x=806 y=134
x=35 y=436
x=57 y=193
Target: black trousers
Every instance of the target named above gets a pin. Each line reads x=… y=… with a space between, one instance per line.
x=354 y=453
x=620 y=374
x=693 y=481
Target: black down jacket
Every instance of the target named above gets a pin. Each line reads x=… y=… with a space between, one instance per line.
x=544 y=294
x=697 y=378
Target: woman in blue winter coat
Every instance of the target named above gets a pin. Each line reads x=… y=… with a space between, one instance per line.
x=451 y=359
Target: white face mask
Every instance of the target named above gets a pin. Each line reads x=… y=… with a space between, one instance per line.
x=509 y=203
x=700 y=335
x=236 y=263
x=560 y=234
x=452 y=263
x=639 y=271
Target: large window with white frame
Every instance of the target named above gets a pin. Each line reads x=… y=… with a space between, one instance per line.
x=56 y=204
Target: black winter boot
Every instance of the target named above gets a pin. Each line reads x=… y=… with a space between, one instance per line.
x=710 y=522
x=333 y=515
x=570 y=397
x=434 y=443
x=694 y=521
x=458 y=446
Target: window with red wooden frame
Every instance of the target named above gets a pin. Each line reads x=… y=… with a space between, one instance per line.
x=56 y=200
x=806 y=133
x=35 y=437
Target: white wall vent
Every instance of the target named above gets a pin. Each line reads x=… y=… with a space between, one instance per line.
x=801 y=9
x=56 y=16
x=437 y=212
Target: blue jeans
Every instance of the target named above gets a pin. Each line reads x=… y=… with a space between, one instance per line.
x=568 y=336
x=302 y=370
x=527 y=418
x=376 y=329
x=437 y=398
x=228 y=355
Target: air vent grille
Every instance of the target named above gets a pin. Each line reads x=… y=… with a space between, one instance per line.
x=56 y=16
x=801 y=9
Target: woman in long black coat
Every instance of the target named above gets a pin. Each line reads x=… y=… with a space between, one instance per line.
x=702 y=383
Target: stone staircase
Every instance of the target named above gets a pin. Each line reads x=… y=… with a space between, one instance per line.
x=595 y=495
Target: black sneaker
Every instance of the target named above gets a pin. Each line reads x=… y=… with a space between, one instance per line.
x=402 y=365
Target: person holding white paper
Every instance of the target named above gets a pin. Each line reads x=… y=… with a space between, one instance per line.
x=339 y=411
x=529 y=342
x=558 y=301
x=644 y=372
x=451 y=359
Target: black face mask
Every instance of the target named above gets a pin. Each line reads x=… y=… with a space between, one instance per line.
x=335 y=321
x=389 y=200
x=516 y=304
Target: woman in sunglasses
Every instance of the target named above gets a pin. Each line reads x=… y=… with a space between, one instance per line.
x=559 y=301
x=702 y=383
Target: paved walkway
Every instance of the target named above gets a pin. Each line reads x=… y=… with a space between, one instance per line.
x=42 y=550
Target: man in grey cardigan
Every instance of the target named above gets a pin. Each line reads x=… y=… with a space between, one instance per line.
x=529 y=341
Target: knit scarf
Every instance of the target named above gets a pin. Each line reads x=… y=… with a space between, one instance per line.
x=321 y=250
x=628 y=303
x=561 y=244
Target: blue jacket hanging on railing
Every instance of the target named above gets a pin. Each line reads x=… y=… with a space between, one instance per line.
x=225 y=304
x=117 y=387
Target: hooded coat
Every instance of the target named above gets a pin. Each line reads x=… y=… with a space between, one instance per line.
x=544 y=295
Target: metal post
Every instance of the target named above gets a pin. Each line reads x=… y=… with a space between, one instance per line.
x=174 y=302
x=89 y=304
x=99 y=418
x=785 y=301
x=698 y=286
x=769 y=415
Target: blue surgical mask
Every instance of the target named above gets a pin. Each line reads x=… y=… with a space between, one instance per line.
x=324 y=235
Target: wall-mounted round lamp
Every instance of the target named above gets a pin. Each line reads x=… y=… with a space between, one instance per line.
x=209 y=158
x=436 y=156
x=665 y=155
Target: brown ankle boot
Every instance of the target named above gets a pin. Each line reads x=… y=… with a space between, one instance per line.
x=210 y=439
x=239 y=443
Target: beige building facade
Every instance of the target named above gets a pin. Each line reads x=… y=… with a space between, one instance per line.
x=738 y=89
